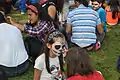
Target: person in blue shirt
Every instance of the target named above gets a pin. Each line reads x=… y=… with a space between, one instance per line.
x=81 y=26
x=96 y=5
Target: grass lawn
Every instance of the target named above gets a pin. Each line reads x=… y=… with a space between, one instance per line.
x=104 y=60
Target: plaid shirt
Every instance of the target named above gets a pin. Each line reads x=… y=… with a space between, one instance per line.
x=41 y=31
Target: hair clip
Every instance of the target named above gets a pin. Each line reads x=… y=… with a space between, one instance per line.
x=53 y=34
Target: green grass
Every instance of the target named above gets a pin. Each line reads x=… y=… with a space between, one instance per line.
x=104 y=60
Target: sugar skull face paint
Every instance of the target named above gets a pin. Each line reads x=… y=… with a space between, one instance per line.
x=59 y=46
x=95 y=5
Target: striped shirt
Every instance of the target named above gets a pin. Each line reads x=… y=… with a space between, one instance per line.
x=41 y=31
x=84 y=21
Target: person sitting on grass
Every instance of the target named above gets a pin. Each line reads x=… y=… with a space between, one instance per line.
x=113 y=12
x=36 y=29
x=13 y=56
x=79 y=66
x=49 y=65
x=97 y=6
x=81 y=26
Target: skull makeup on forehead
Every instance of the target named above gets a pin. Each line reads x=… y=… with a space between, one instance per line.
x=59 y=48
x=60 y=45
x=95 y=5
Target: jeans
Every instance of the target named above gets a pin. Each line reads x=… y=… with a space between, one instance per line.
x=22 y=6
x=14 y=71
x=34 y=1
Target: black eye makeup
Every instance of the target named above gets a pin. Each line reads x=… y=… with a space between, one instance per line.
x=95 y=3
x=59 y=46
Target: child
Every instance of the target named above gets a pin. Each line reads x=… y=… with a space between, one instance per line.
x=113 y=12
x=96 y=5
x=79 y=66
x=49 y=65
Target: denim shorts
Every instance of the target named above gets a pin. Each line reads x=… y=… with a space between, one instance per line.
x=15 y=71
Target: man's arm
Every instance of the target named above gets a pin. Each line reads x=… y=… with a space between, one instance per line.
x=68 y=28
x=68 y=31
x=100 y=28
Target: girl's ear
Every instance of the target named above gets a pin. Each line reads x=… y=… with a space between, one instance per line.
x=48 y=45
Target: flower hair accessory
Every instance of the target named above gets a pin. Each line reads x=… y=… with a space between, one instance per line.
x=53 y=34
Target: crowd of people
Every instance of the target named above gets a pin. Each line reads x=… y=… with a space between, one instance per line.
x=58 y=37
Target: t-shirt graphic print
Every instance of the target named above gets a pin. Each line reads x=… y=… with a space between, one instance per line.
x=56 y=73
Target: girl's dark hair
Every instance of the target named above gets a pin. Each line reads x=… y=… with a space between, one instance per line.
x=3 y=75
x=114 y=4
x=38 y=6
x=84 y=2
x=78 y=62
x=46 y=51
x=2 y=17
x=58 y=4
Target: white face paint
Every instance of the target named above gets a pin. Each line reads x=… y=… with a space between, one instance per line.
x=59 y=46
x=95 y=5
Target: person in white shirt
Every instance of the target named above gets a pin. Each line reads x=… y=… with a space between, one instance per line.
x=13 y=56
x=49 y=65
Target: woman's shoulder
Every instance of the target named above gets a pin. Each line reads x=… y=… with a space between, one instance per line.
x=41 y=57
x=39 y=62
x=95 y=76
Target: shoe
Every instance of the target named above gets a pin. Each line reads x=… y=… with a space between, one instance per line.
x=97 y=46
x=22 y=13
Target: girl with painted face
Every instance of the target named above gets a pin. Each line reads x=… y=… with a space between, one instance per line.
x=96 y=5
x=49 y=65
